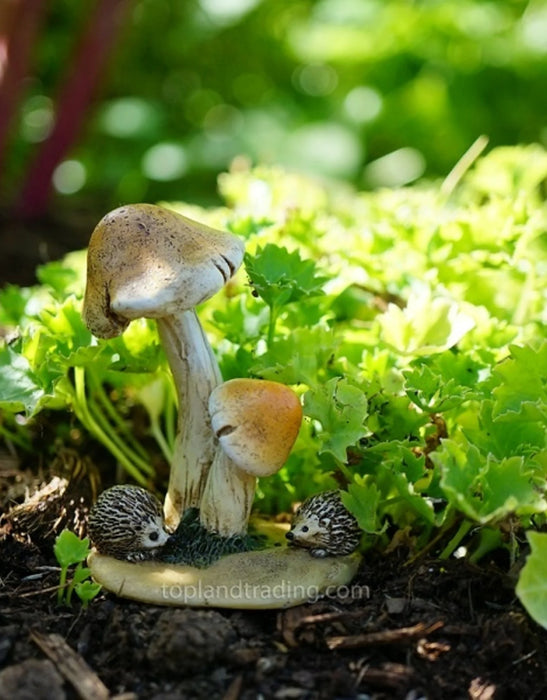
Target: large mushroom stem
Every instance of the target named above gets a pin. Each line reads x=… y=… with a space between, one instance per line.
x=196 y=374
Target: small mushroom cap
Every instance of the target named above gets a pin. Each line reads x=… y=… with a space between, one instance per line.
x=256 y=423
x=147 y=261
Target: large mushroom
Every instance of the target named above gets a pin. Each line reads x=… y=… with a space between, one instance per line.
x=256 y=423
x=147 y=261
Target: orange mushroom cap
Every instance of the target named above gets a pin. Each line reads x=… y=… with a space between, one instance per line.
x=256 y=423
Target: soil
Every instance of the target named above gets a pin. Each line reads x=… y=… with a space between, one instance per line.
x=431 y=629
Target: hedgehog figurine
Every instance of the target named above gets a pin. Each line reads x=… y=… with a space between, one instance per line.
x=126 y=522
x=323 y=525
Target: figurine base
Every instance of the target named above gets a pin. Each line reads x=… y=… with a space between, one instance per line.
x=279 y=577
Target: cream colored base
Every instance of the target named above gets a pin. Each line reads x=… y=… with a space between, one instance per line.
x=280 y=577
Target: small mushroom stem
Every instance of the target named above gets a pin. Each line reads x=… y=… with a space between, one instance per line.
x=227 y=498
x=196 y=373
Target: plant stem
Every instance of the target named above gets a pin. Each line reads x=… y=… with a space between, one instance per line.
x=70 y=589
x=453 y=178
x=62 y=585
x=21 y=21
x=450 y=521
x=346 y=472
x=114 y=414
x=271 y=325
x=82 y=411
x=159 y=437
x=13 y=437
x=101 y=420
x=462 y=531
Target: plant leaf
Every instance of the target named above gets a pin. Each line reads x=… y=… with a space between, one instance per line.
x=532 y=584
x=69 y=549
x=341 y=409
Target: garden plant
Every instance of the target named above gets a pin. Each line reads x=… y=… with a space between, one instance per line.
x=410 y=323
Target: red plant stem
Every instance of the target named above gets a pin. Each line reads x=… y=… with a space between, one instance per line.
x=73 y=104
x=20 y=21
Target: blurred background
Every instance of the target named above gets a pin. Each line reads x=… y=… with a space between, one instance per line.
x=104 y=102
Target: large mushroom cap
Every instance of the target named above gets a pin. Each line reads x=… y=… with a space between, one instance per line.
x=147 y=261
x=256 y=422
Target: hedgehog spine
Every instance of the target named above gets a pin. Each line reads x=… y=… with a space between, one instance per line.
x=126 y=522
x=323 y=525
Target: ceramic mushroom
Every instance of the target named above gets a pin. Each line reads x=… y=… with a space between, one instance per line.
x=147 y=261
x=256 y=423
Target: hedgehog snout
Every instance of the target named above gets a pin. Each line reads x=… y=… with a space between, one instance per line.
x=289 y=535
x=154 y=536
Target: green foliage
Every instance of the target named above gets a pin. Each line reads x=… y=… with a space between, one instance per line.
x=53 y=363
x=485 y=489
x=281 y=278
x=341 y=410
x=328 y=87
x=410 y=321
x=69 y=551
x=532 y=585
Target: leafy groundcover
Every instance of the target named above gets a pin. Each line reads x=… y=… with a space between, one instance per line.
x=410 y=321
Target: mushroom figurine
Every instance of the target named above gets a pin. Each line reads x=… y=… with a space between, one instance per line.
x=147 y=261
x=256 y=423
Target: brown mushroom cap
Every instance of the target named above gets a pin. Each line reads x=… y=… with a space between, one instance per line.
x=256 y=422
x=147 y=261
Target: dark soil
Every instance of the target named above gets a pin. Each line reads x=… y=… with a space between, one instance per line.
x=433 y=630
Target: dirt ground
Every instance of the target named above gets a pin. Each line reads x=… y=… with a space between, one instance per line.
x=430 y=630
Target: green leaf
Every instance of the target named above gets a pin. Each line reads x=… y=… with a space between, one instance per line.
x=522 y=392
x=81 y=573
x=505 y=438
x=532 y=584
x=19 y=389
x=426 y=325
x=442 y=382
x=341 y=409
x=485 y=489
x=362 y=499
x=69 y=549
x=302 y=357
x=13 y=302
x=87 y=590
x=280 y=277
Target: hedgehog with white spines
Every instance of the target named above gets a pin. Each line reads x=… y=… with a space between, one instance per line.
x=127 y=523
x=324 y=525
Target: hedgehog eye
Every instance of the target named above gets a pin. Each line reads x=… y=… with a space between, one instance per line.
x=154 y=536
x=305 y=528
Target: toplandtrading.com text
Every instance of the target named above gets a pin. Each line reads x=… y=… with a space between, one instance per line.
x=243 y=591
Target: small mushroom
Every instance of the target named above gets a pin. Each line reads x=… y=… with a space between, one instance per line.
x=147 y=261
x=256 y=423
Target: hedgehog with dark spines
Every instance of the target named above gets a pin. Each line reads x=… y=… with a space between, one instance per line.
x=127 y=523
x=324 y=525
